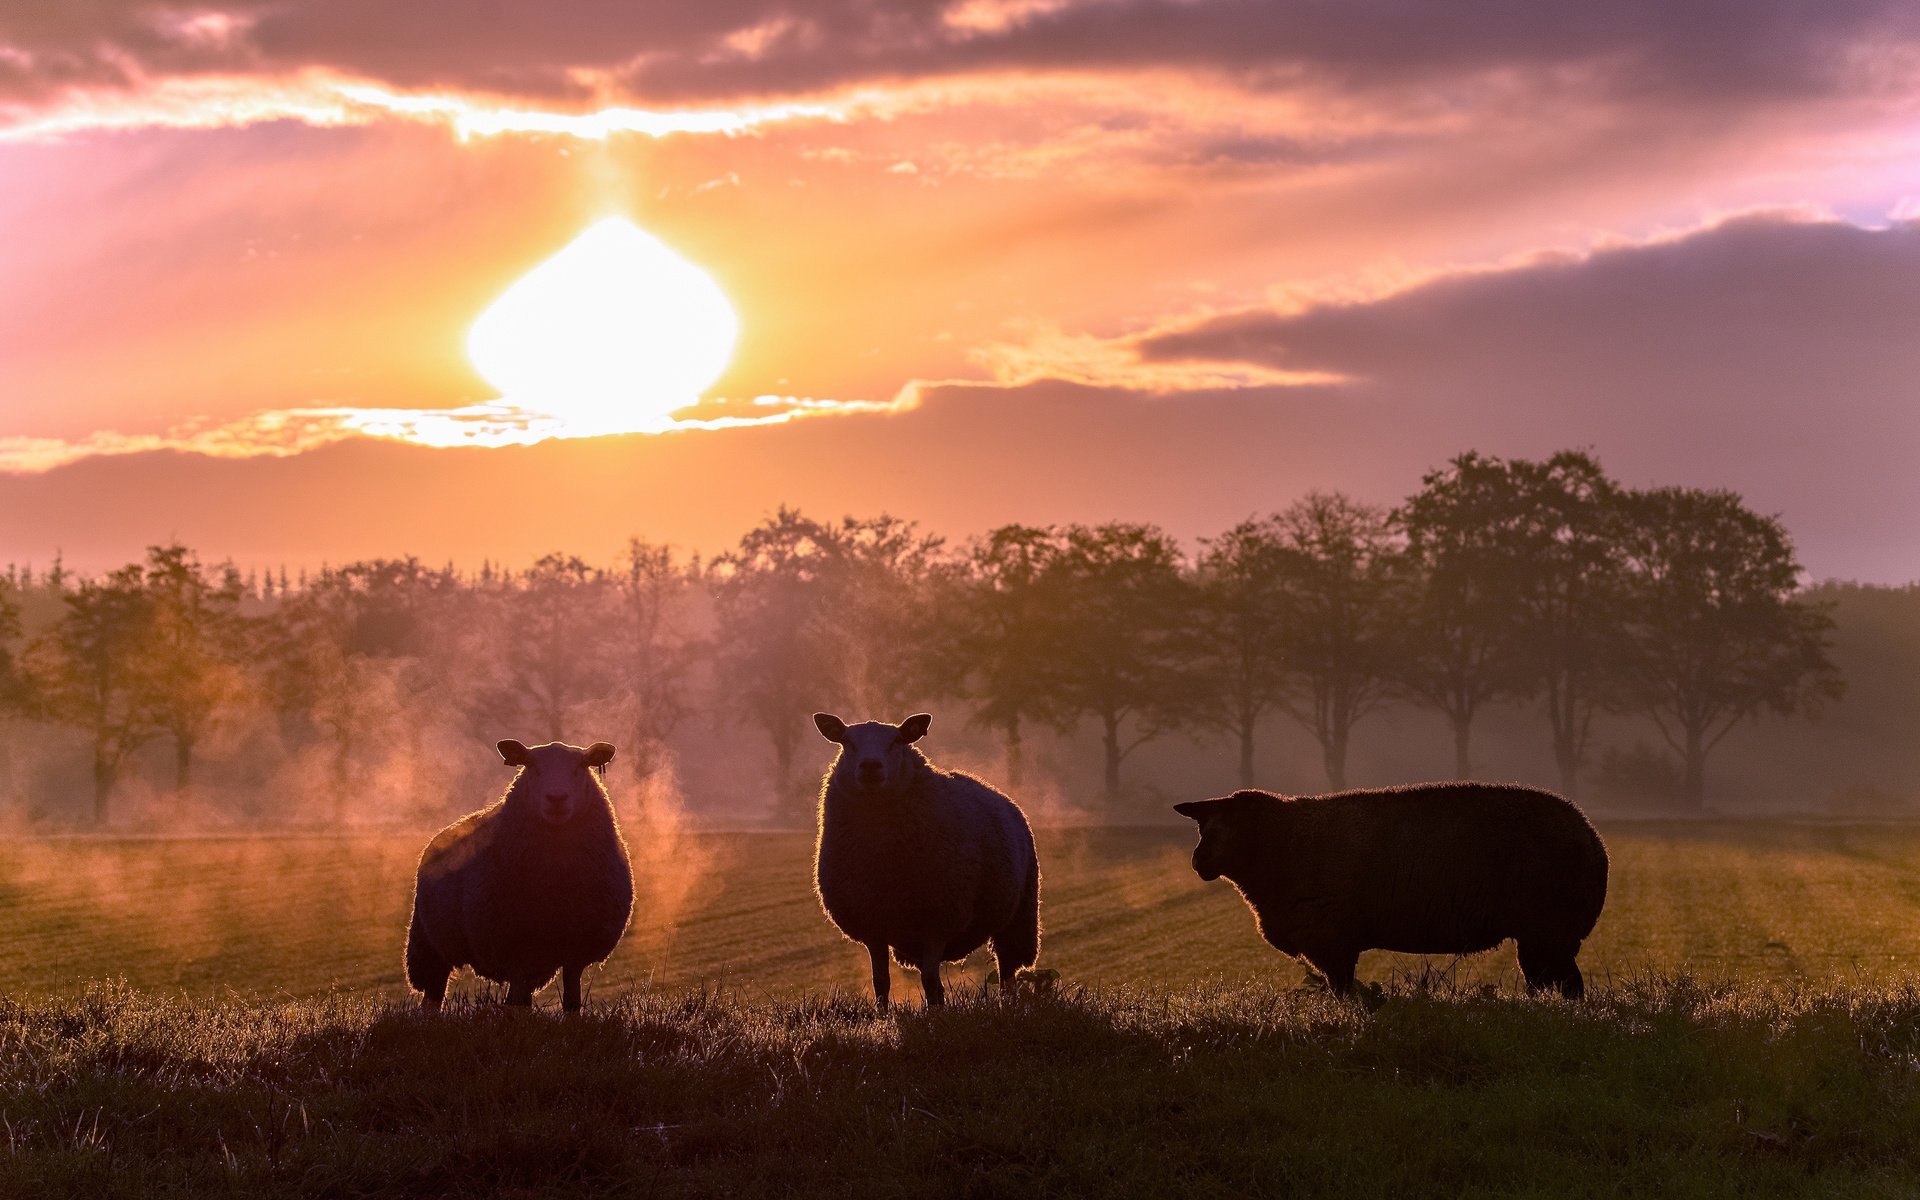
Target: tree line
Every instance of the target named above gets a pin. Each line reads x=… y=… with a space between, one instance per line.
x=1543 y=583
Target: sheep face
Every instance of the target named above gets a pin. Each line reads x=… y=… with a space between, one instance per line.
x=1218 y=851
x=875 y=758
x=556 y=780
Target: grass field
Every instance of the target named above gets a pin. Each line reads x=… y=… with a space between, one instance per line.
x=1753 y=1029
x=303 y=917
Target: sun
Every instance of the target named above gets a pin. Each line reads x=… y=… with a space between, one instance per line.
x=610 y=335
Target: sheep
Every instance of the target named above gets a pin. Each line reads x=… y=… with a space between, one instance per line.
x=927 y=863
x=1439 y=868
x=535 y=884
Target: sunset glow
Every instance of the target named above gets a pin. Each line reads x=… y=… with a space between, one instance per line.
x=1116 y=256
x=611 y=335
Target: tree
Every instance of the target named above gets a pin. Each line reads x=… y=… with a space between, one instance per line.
x=1113 y=600
x=651 y=649
x=883 y=615
x=544 y=639
x=1561 y=524
x=1341 y=615
x=990 y=636
x=1718 y=634
x=89 y=672
x=196 y=642
x=348 y=652
x=1465 y=570
x=13 y=679
x=774 y=595
x=1239 y=639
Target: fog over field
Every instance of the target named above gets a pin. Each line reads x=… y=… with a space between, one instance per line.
x=1646 y=651
x=304 y=917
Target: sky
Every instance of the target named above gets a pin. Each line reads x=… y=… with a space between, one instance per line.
x=984 y=261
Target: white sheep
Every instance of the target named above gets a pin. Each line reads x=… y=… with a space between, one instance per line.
x=929 y=864
x=534 y=885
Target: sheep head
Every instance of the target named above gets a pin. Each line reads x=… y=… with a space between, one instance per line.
x=557 y=781
x=1224 y=834
x=875 y=758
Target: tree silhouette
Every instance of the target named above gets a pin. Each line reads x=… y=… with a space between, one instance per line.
x=652 y=650
x=196 y=642
x=349 y=653
x=1243 y=622
x=882 y=629
x=1717 y=633
x=542 y=642
x=1565 y=525
x=1466 y=568
x=90 y=671
x=13 y=678
x=1114 y=598
x=991 y=635
x=775 y=597
x=1342 y=611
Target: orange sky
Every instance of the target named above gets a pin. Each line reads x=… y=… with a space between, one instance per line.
x=1171 y=261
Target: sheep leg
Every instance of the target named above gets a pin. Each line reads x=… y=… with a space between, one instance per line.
x=520 y=994
x=1338 y=967
x=882 y=975
x=1552 y=965
x=570 y=989
x=930 y=980
x=427 y=972
x=1017 y=947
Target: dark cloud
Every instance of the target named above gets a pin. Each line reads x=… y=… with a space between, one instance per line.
x=680 y=52
x=1774 y=355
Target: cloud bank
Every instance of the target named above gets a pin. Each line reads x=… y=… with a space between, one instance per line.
x=1770 y=353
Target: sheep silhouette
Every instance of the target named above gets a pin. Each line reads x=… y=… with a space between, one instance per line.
x=534 y=885
x=927 y=864
x=1444 y=868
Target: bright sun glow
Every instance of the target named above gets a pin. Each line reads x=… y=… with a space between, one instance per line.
x=611 y=335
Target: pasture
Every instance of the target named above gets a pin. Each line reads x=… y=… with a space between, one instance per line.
x=217 y=1016
x=294 y=918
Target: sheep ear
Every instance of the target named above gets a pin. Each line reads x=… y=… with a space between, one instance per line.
x=831 y=727
x=1198 y=810
x=913 y=729
x=599 y=754
x=512 y=753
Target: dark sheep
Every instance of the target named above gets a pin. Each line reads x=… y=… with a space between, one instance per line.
x=929 y=864
x=535 y=885
x=1441 y=868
